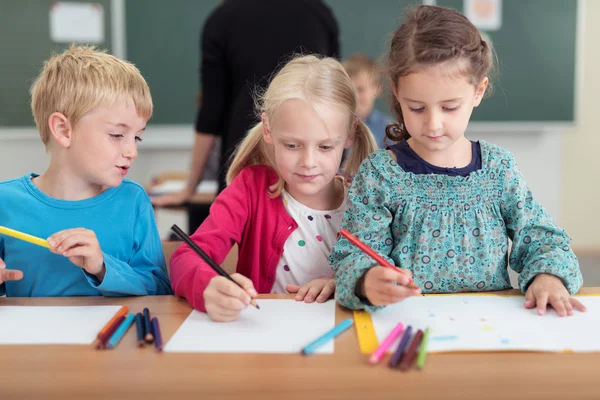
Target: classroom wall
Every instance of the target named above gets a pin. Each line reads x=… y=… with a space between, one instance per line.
x=580 y=197
x=553 y=162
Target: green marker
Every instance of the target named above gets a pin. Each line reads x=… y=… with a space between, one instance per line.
x=423 y=350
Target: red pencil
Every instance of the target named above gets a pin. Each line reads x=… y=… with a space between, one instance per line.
x=411 y=353
x=104 y=339
x=371 y=253
x=122 y=312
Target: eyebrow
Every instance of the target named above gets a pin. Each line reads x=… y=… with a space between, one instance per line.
x=443 y=101
x=333 y=139
x=123 y=125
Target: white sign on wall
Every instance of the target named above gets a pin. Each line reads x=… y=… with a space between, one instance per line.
x=76 y=22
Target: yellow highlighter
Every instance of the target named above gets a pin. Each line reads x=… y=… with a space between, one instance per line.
x=24 y=236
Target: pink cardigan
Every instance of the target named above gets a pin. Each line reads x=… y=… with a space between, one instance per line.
x=245 y=214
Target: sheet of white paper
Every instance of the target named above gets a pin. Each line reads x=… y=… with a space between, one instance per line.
x=173 y=186
x=53 y=325
x=491 y=323
x=280 y=326
x=76 y=22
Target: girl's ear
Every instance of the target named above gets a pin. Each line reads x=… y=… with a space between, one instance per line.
x=266 y=129
x=60 y=129
x=480 y=90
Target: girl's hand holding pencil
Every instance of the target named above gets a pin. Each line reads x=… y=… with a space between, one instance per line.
x=224 y=300
x=383 y=285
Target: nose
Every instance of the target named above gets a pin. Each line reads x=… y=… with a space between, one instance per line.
x=130 y=150
x=309 y=158
x=434 y=122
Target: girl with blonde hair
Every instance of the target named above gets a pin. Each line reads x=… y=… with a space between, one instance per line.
x=285 y=200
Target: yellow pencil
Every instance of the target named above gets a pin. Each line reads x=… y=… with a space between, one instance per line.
x=24 y=236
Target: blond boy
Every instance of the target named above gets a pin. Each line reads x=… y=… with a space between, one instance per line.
x=90 y=109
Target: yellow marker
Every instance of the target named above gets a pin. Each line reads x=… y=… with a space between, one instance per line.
x=24 y=236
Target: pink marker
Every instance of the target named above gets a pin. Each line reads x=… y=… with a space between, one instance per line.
x=387 y=342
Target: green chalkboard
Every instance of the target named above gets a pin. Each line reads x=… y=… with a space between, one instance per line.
x=24 y=46
x=535 y=47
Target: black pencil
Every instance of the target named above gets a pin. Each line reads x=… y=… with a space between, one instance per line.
x=147 y=328
x=139 y=323
x=181 y=234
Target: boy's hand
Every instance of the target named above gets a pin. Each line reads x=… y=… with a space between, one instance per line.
x=319 y=290
x=224 y=300
x=548 y=289
x=81 y=246
x=383 y=285
x=9 y=274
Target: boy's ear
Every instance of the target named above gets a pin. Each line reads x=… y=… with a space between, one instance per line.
x=60 y=128
x=266 y=129
x=480 y=90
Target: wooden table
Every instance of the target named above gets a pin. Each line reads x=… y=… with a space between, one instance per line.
x=127 y=372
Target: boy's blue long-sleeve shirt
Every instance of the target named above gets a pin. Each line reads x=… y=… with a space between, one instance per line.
x=123 y=221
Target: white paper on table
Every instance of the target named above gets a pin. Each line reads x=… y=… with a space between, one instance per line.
x=174 y=186
x=280 y=326
x=53 y=325
x=492 y=323
x=76 y=22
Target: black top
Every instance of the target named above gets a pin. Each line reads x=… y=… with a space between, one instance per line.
x=243 y=43
x=410 y=161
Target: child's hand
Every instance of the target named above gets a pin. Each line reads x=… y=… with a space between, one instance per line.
x=82 y=248
x=224 y=300
x=319 y=289
x=547 y=288
x=383 y=285
x=9 y=274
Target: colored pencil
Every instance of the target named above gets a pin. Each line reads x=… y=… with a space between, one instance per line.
x=122 y=311
x=157 y=336
x=401 y=347
x=101 y=343
x=24 y=236
x=147 y=328
x=387 y=342
x=120 y=332
x=372 y=253
x=411 y=353
x=423 y=350
x=181 y=234
x=139 y=324
x=321 y=340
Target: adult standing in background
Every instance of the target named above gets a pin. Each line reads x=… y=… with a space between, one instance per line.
x=243 y=43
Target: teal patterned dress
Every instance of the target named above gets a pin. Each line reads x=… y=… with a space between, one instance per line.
x=451 y=231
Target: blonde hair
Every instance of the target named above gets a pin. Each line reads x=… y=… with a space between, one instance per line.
x=81 y=79
x=358 y=63
x=319 y=80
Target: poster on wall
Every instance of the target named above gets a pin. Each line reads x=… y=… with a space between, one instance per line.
x=76 y=22
x=486 y=15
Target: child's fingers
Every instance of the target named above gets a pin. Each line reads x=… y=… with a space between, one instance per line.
x=577 y=304
x=2 y=264
x=56 y=238
x=326 y=292
x=228 y=289
x=71 y=241
x=245 y=283
x=302 y=292
x=541 y=301
x=557 y=302
x=529 y=299
x=393 y=275
x=10 y=275
x=312 y=293
x=291 y=288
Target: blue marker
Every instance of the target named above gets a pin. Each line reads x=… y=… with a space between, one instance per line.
x=339 y=328
x=120 y=332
